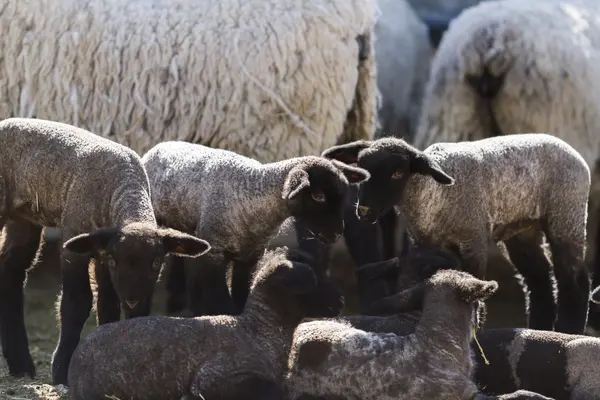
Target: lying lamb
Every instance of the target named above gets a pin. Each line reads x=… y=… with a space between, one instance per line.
x=97 y=191
x=524 y=185
x=237 y=203
x=549 y=363
x=330 y=358
x=212 y=357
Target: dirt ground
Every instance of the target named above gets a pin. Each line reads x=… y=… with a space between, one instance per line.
x=504 y=309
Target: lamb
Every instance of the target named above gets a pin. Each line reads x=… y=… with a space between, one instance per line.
x=237 y=203
x=514 y=66
x=278 y=71
x=516 y=358
x=433 y=361
x=508 y=189
x=97 y=191
x=178 y=356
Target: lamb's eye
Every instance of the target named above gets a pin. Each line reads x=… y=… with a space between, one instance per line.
x=319 y=197
x=397 y=175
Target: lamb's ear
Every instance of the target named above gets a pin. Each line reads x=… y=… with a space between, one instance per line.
x=297 y=180
x=382 y=269
x=296 y=277
x=346 y=153
x=473 y=289
x=405 y=301
x=421 y=163
x=183 y=245
x=354 y=175
x=96 y=240
x=595 y=296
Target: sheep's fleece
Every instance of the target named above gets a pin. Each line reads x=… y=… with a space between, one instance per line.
x=230 y=74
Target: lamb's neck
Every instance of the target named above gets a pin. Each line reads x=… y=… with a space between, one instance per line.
x=130 y=203
x=272 y=325
x=447 y=324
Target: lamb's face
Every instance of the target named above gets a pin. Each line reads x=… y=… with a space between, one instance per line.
x=316 y=193
x=390 y=162
x=134 y=256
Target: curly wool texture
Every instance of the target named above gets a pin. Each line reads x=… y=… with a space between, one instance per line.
x=217 y=73
x=548 y=53
x=403 y=59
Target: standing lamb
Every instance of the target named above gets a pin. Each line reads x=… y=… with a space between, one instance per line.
x=513 y=66
x=332 y=359
x=97 y=191
x=217 y=357
x=237 y=203
x=487 y=191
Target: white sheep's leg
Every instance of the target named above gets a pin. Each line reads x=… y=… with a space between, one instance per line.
x=18 y=251
x=74 y=310
x=108 y=307
x=527 y=255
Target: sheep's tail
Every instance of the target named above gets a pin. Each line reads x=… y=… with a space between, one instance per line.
x=361 y=121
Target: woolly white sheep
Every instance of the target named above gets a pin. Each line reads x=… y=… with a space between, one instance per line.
x=217 y=357
x=267 y=79
x=514 y=66
x=332 y=359
x=237 y=203
x=97 y=191
x=486 y=191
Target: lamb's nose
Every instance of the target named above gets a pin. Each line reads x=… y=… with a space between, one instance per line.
x=363 y=211
x=131 y=303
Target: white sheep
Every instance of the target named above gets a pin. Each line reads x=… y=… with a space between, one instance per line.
x=514 y=66
x=267 y=79
x=464 y=196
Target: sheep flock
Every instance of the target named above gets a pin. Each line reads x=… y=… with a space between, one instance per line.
x=300 y=200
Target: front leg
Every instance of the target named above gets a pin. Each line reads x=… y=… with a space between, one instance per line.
x=75 y=306
x=473 y=254
x=108 y=308
x=209 y=276
x=240 y=282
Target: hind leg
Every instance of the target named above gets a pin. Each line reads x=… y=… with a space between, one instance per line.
x=21 y=242
x=566 y=236
x=527 y=255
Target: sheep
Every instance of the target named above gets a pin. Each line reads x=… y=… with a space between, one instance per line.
x=167 y=358
x=433 y=361
x=506 y=67
x=97 y=191
x=278 y=71
x=236 y=204
x=515 y=358
x=508 y=189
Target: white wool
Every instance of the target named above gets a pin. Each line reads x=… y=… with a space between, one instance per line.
x=267 y=79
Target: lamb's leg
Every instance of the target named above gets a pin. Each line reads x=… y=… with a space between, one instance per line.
x=175 y=285
x=567 y=244
x=21 y=241
x=211 y=277
x=74 y=310
x=473 y=254
x=240 y=282
x=108 y=307
x=528 y=257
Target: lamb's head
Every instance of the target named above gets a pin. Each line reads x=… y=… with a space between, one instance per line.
x=315 y=191
x=445 y=288
x=134 y=255
x=391 y=162
x=286 y=283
